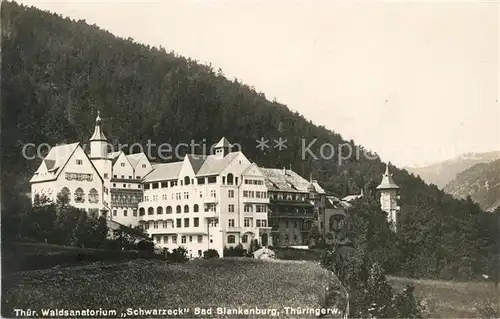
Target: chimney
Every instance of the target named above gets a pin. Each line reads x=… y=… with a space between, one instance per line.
x=284 y=170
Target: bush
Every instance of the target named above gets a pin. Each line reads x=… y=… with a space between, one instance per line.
x=254 y=245
x=145 y=245
x=210 y=254
x=178 y=255
x=286 y=253
x=23 y=261
x=370 y=295
x=485 y=309
x=237 y=251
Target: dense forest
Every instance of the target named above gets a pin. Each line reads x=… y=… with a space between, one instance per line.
x=56 y=74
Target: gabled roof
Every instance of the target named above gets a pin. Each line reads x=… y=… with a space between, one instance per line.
x=114 y=156
x=134 y=159
x=202 y=166
x=54 y=162
x=387 y=181
x=284 y=180
x=196 y=161
x=164 y=171
x=50 y=164
x=213 y=164
x=222 y=143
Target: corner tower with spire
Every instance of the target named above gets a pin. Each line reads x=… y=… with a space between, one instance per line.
x=389 y=196
x=99 y=156
x=98 y=141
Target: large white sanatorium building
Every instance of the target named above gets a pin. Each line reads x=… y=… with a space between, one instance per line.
x=202 y=202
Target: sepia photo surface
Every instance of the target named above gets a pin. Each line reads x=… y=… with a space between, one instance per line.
x=250 y=159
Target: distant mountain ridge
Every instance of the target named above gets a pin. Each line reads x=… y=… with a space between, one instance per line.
x=481 y=182
x=442 y=173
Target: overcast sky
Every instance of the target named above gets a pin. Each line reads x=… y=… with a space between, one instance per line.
x=415 y=82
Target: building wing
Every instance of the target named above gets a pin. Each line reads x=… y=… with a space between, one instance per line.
x=52 y=165
x=164 y=171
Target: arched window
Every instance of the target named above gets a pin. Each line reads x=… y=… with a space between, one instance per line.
x=65 y=192
x=231 y=239
x=230 y=179
x=169 y=209
x=151 y=211
x=187 y=180
x=336 y=222
x=159 y=210
x=93 y=196
x=178 y=209
x=142 y=212
x=196 y=208
x=79 y=195
x=186 y=209
x=244 y=239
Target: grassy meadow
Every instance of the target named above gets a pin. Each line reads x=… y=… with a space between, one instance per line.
x=151 y=284
x=450 y=299
x=229 y=282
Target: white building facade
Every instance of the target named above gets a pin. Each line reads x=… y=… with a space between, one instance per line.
x=202 y=202
x=206 y=202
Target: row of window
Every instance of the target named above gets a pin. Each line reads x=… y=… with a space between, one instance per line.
x=80 y=162
x=169 y=210
x=122 y=164
x=173 y=239
x=127 y=185
x=248 y=208
x=254 y=182
x=178 y=223
x=288 y=196
x=125 y=213
x=229 y=179
x=179 y=196
x=286 y=239
x=254 y=194
x=122 y=176
x=186 y=181
x=79 y=196
x=248 y=222
x=231 y=239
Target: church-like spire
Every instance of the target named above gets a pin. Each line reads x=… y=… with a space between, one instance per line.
x=98 y=133
x=387 y=181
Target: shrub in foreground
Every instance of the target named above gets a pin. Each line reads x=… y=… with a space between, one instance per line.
x=210 y=254
x=237 y=251
x=178 y=255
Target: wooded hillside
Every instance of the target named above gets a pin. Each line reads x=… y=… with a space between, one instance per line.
x=56 y=74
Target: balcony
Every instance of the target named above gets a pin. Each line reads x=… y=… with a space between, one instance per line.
x=210 y=200
x=248 y=200
x=291 y=214
x=209 y=214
